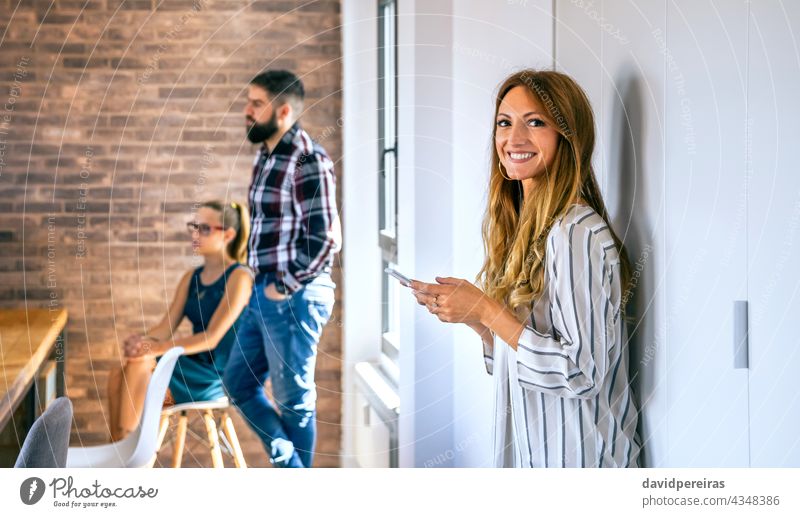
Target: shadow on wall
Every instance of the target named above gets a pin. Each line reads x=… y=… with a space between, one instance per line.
x=628 y=161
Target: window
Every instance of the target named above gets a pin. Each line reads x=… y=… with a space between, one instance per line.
x=387 y=155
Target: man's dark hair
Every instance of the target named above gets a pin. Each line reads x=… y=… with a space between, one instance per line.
x=283 y=87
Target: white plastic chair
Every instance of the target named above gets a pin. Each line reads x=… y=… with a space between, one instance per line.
x=137 y=449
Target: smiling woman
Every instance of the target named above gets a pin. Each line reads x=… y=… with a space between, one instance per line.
x=550 y=312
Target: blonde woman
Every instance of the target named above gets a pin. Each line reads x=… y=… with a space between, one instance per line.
x=549 y=308
x=213 y=297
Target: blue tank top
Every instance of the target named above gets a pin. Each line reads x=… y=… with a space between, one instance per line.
x=201 y=303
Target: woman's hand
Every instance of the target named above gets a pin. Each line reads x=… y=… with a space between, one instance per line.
x=452 y=300
x=130 y=343
x=131 y=340
x=143 y=347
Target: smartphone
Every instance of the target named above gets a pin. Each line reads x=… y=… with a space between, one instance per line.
x=404 y=280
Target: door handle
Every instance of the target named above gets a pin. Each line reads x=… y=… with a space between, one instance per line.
x=741 y=346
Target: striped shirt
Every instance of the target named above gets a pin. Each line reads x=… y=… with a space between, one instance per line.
x=563 y=398
x=292 y=209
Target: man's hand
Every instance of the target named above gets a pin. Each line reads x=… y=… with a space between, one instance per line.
x=272 y=293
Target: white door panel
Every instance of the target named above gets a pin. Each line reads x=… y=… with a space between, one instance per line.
x=705 y=48
x=774 y=239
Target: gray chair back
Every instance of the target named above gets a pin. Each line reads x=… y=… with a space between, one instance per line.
x=48 y=440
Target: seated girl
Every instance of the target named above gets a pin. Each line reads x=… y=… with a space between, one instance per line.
x=213 y=297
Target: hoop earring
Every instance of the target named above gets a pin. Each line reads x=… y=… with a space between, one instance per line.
x=500 y=168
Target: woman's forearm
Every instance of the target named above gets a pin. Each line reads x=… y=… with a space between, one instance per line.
x=194 y=344
x=499 y=319
x=161 y=332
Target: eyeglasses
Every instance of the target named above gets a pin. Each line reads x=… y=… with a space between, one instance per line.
x=202 y=228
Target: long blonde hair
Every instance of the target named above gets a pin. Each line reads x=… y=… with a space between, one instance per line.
x=514 y=233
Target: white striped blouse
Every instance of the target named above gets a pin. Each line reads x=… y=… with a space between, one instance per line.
x=563 y=399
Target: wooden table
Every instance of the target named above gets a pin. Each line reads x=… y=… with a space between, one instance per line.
x=28 y=339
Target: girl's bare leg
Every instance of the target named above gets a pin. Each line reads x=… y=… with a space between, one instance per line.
x=135 y=378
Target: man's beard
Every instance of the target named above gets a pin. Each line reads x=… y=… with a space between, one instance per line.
x=258 y=133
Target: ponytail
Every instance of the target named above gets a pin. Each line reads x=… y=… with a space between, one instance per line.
x=234 y=215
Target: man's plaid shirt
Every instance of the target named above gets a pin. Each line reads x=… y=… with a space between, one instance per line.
x=292 y=208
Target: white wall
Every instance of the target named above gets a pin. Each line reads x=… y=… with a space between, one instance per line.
x=425 y=177
x=773 y=190
x=361 y=256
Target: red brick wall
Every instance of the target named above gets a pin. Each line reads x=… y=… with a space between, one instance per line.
x=115 y=117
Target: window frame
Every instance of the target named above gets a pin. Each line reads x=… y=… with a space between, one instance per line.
x=387 y=180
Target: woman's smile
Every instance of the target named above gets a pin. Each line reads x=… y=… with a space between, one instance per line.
x=520 y=157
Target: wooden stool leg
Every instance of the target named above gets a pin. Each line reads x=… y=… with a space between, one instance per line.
x=230 y=432
x=180 y=440
x=213 y=439
x=162 y=432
